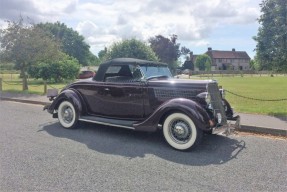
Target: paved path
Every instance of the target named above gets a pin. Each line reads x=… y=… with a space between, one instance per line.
x=249 y=122
x=264 y=124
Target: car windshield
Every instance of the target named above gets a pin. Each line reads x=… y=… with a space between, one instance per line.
x=155 y=70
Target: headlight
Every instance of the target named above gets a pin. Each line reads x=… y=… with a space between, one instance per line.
x=219 y=117
x=208 y=101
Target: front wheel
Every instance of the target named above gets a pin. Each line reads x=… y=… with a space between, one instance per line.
x=67 y=115
x=180 y=131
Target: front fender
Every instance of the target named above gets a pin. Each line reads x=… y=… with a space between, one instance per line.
x=186 y=106
x=70 y=95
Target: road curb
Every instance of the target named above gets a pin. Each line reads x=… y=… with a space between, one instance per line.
x=262 y=130
x=24 y=101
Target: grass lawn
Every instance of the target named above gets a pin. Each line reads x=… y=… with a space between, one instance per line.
x=262 y=88
x=12 y=83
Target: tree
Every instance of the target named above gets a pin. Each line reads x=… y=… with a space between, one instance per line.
x=188 y=65
x=166 y=49
x=73 y=44
x=93 y=60
x=184 y=51
x=25 y=45
x=254 y=65
x=102 y=54
x=66 y=67
x=203 y=62
x=131 y=48
x=271 y=48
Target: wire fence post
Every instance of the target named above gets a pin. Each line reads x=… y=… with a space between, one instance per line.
x=0 y=84
x=45 y=87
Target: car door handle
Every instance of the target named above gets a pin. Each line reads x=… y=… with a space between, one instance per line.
x=107 y=89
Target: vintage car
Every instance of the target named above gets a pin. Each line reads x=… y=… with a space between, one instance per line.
x=143 y=96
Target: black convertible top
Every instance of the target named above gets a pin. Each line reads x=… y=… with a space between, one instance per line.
x=122 y=61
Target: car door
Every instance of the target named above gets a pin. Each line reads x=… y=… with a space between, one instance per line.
x=119 y=97
x=120 y=100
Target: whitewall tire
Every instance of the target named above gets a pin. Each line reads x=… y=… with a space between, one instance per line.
x=180 y=131
x=67 y=115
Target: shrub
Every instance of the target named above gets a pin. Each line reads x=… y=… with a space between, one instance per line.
x=65 y=68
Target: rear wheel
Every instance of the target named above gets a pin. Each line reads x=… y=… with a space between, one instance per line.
x=180 y=131
x=67 y=115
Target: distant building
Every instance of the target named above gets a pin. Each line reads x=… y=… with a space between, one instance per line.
x=222 y=60
x=229 y=60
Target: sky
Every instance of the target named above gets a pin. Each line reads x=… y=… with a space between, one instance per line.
x=199 y=24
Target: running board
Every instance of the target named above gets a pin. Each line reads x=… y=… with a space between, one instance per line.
x=110 y=122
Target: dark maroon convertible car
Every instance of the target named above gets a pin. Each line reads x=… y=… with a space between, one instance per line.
x=142 y=95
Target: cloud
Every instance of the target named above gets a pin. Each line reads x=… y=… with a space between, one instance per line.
x=12 y=9
x=122 y=20
x=104 y=21
x=88 y=28
x=38 y=11
x=71 y=7
x=214 y=9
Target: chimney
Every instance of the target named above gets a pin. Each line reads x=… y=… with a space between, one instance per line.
x=209 y=49
x=233 y=49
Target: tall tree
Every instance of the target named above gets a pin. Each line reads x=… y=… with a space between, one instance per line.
x=271 y=48
x=203 y=62
x=130 y=48
x=25 y=45
x=102 y=54
x=72 y=42
x=184 y=51
x=167 y=49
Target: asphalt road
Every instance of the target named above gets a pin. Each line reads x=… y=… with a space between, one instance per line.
x=36 y=154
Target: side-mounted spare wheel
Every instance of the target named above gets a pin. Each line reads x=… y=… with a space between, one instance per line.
x=180 y=132
x=67 y=115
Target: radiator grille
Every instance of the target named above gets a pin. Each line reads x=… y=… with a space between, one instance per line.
x=174 y=93
x=216 y=101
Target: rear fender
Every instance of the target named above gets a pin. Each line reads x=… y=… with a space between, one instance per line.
x=70 y=95
x=186 y=106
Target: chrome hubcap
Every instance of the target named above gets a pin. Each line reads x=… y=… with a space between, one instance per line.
x=180 y=131
x=67 y=114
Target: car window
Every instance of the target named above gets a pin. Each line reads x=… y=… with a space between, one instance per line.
x=155 y=70
x=119 y=73
x=113 y=69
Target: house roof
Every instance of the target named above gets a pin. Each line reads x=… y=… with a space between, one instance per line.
x=215 y=54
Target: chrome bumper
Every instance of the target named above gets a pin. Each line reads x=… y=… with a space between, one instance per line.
x=47 y=107
x=232 y=124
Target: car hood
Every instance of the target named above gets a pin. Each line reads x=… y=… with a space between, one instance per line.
x=181 y=83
